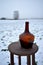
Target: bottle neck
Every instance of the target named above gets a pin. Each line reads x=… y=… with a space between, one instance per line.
x=26 y=26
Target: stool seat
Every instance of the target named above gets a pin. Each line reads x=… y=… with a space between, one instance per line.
x=15 y=48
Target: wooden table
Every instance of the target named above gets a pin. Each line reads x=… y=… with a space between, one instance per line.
x=15 y=48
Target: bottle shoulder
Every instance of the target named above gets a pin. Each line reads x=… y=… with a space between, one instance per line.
x=26 y=34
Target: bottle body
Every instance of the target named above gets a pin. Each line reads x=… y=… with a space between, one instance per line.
x=26 y=38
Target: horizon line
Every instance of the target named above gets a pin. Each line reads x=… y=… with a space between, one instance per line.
x=3 y=18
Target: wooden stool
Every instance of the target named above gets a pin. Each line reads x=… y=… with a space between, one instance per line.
x=15 y=48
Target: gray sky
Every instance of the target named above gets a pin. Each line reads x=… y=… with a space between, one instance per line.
x=26 y=8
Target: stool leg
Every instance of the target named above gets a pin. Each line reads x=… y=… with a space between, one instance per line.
x=12 y=58
x=28 y=60
x=19 y=57
x=33 y=59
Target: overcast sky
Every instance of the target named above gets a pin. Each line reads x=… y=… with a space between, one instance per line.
x=26 y=8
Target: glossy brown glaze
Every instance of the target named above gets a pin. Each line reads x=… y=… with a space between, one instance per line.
x=26 y=38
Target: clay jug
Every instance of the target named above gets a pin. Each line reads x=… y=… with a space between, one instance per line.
x=26 y=38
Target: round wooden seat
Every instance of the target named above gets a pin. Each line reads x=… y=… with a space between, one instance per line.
x=15 y=48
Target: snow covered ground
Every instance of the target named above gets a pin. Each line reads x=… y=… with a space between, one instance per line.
x=10 y=31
